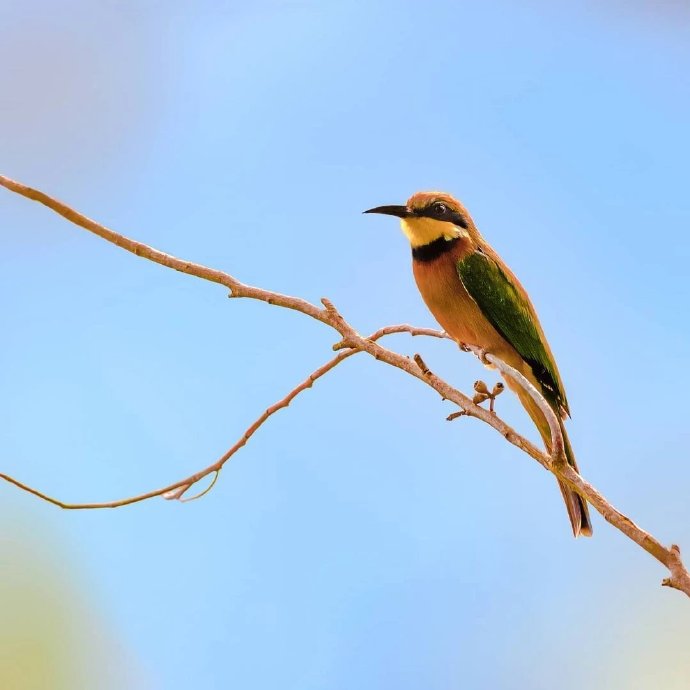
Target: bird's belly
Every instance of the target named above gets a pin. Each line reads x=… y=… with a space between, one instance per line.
x=459 y=319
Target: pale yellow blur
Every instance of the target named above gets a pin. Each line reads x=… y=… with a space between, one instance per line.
x=52 y=636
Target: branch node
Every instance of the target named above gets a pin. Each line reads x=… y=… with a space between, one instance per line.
x=344 y=344
x=330 y=309
x=216 y=474
x=177 y=493
x=559 y=461
x=422 y=365
x=455 y=415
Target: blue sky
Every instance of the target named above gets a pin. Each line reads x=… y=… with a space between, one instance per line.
x=358 y=540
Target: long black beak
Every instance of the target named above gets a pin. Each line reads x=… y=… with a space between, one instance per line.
x=399 y=211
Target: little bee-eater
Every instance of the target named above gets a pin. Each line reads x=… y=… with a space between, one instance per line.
x=478 y=301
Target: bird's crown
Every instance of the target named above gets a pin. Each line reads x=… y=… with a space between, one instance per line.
x=421 y=201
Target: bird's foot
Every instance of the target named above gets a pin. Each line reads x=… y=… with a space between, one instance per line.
x=481 y=355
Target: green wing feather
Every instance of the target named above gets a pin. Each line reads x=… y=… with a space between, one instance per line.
x=510 y=312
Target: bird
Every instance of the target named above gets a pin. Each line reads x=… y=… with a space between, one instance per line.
x=479 y=301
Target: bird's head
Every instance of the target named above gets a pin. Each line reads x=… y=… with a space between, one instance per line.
x=429 y=216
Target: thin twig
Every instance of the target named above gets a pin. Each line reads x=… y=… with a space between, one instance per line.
x=184 y=499
x=177 y=490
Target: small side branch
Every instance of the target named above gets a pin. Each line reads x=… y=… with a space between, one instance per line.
x=178 y=490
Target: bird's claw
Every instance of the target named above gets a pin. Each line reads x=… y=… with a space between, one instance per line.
x=481 y=354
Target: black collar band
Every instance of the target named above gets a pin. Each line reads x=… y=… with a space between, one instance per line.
x=431 y=251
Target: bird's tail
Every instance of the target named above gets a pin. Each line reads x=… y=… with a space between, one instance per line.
x=578 y=512
x=576 y=505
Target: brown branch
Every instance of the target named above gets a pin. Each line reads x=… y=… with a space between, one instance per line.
x=402 y=328
x=670 y=557
x=237 y=289
x=351 y=343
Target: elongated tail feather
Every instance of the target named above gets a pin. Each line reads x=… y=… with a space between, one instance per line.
x=578 y=511
x=577 y=507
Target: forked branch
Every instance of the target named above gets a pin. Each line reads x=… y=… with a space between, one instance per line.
x=351 y=343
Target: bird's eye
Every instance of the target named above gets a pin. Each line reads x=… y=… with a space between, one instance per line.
x=439 y=208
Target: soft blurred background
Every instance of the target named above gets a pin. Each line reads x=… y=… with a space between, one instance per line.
x=359 y=540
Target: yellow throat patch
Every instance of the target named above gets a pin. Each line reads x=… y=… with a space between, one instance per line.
x=421 y=231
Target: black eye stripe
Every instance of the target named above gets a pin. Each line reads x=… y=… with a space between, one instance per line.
x=458 y=219
x=450 y=215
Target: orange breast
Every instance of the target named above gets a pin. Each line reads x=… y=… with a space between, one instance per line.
x=452 y=306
